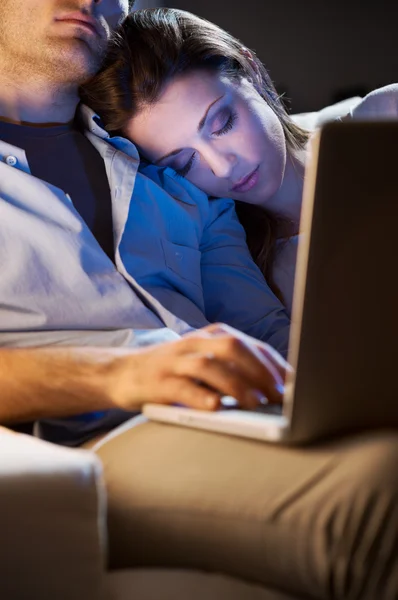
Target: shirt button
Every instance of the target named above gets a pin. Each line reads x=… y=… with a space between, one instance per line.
x=11 y=160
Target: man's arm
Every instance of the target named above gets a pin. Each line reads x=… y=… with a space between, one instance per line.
x=235 y=291
x=41 y=382
x=195 y=370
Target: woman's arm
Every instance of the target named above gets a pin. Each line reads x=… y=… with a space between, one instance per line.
x=234 y=289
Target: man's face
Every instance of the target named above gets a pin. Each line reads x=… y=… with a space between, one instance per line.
x=62 y=40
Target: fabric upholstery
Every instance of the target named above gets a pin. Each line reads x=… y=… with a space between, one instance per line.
x=52 y=518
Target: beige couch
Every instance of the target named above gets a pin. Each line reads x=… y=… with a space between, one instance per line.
x=54 y=538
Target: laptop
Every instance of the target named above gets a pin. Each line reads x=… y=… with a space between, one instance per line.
x=344 y=332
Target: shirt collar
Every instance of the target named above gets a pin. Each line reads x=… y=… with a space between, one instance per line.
x=92 y=123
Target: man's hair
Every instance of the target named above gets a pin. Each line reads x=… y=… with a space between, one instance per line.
x=154 y=45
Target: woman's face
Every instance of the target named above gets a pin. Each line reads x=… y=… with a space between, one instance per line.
x=219 y=134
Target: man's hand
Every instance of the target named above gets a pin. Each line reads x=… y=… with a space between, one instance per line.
x=197 y=370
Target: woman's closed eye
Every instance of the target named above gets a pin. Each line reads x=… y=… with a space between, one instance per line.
x=228 y=125
x=183 y=171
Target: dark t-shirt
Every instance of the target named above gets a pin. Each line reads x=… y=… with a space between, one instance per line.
x=64 y=157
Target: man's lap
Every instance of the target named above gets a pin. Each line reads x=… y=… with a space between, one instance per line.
x=290 y=518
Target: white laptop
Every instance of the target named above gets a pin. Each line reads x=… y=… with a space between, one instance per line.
x=344 y=331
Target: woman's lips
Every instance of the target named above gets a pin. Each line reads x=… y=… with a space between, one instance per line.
x=247 y=183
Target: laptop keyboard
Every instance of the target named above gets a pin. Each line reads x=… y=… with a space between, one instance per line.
x=265 y=409
x=269 y=409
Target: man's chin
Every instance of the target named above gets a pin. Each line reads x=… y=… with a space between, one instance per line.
x=77 y=62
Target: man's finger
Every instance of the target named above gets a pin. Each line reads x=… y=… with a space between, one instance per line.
x=184 y=390
x=256 y=369
x=219 y=329
x=219 y=375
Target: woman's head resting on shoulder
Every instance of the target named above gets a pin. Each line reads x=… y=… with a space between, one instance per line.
x=193 y=98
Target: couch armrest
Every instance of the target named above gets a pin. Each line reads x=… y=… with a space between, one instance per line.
x=313 y=120
x=52 y=521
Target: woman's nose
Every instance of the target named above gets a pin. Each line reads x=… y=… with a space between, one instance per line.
x=222 y=164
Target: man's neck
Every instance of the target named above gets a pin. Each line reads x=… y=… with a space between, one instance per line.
x=36 y=101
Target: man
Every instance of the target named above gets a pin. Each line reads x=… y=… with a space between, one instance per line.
x=292 y=519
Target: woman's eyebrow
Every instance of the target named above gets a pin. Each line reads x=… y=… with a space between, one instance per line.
x=203 y=119
x=200 y=127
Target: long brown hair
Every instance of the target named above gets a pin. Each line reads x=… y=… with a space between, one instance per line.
x=154 y=45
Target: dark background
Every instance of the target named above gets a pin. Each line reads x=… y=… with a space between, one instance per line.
x=317 y=52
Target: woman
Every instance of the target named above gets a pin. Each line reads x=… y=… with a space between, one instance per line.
x=193 y=98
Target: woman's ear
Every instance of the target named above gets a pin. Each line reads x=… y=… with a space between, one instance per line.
x=246 y=52
x=254 y=65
